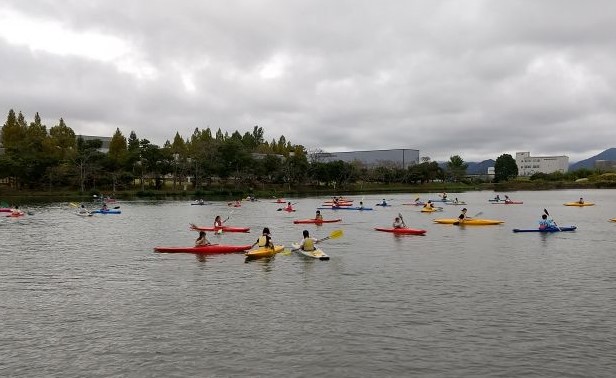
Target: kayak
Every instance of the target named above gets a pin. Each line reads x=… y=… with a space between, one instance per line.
x=264 y=252
x=287 y=210
x=384 y=205
x=316 y=254
x=209 y=249
x=84 y=214
x=579 y=204
x=613 y=220
x=201 y=204
x=340 y=204
x=404 y=231
x=414 y=204
x=279 y=201
x=234 y=205
x=110 y=211
x=316 y=221
x=440 y=200
x=223 y=228
x=549 y=229
x=508 y=203
x=344 y=208
x=469 y=222
x=15 y=215
x=496 y=200
x=431 y=210
x=455 y=203
x=5 y=210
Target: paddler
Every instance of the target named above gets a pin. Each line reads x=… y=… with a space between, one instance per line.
x=429 y=205
x=462 y=216
x=264 y=240
x=202 y=240
x=581 y=201
x=289 y=207
x=546 y=222
x=398 y=223
x=307 y=244
x=318 y=216
x=218 y=222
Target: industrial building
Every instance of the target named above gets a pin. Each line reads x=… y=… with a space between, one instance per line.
x=529 y=165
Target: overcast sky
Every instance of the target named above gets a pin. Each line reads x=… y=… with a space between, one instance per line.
x=460 y=77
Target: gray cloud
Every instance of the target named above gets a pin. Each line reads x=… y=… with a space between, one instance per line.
x=474 y=78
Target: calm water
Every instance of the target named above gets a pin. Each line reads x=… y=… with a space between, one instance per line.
x=89 y=297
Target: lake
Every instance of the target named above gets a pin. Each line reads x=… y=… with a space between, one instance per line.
x=89 y=297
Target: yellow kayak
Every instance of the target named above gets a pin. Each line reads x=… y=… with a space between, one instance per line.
x=469 y=222
x=613 y=220
x=431 y=209
x=264 y=252
x=579 y=204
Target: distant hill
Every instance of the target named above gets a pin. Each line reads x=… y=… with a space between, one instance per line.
x=609 y=154
x=474 y=168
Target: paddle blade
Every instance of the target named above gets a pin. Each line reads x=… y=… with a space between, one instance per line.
x=336 y=234
x=546 y=212
x=73 y=204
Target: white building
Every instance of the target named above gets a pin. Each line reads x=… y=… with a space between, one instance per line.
x=529 y=165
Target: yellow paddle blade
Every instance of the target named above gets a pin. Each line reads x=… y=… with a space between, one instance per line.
x=73 y=204
x=336 y=234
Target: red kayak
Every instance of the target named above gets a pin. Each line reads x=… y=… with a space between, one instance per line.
x=316 y=221
x=339 y=204
x=223 y=228
x=208 y=249
x=5 y=210
x=405 y=231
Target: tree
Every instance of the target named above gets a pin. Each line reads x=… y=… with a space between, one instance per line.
x=456 y=168
x=505 y=168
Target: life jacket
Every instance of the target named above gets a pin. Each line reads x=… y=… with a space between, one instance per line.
x=263 y=241
x=308 y=244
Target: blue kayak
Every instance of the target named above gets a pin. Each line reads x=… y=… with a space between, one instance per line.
x=110 y=211
x=345 y=208
x=385 y=205
x=550 y=229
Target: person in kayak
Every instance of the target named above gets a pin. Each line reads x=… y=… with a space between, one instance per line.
x=361 y=205
x=384 y=203
x=462 y=217
x=307 y=243
x=581 y=201
x=444 y=196
x=289 y=207
x=497 y=198
x=546 y=222
x=104 y=208
x=264 y=240
x=318 y=216
x=202 y=240
x=429 y=205
x=218 y=222
x=83 y=210
x=398 y=223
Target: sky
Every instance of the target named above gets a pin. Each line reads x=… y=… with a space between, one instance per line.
x=463 y=77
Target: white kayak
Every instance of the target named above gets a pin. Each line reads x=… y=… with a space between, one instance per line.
x=316 y=254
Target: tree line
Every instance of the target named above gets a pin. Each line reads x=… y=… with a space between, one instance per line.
x=39 y=158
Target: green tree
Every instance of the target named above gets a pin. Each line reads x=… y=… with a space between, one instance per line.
x=456 y=168
x=505 y=168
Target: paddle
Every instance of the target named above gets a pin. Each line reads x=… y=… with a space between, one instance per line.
x=548 y=214
x=457 y=223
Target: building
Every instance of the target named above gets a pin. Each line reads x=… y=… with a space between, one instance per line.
x=397 y=157
x=105 y=140
x=605 y=165
x=529 y=165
